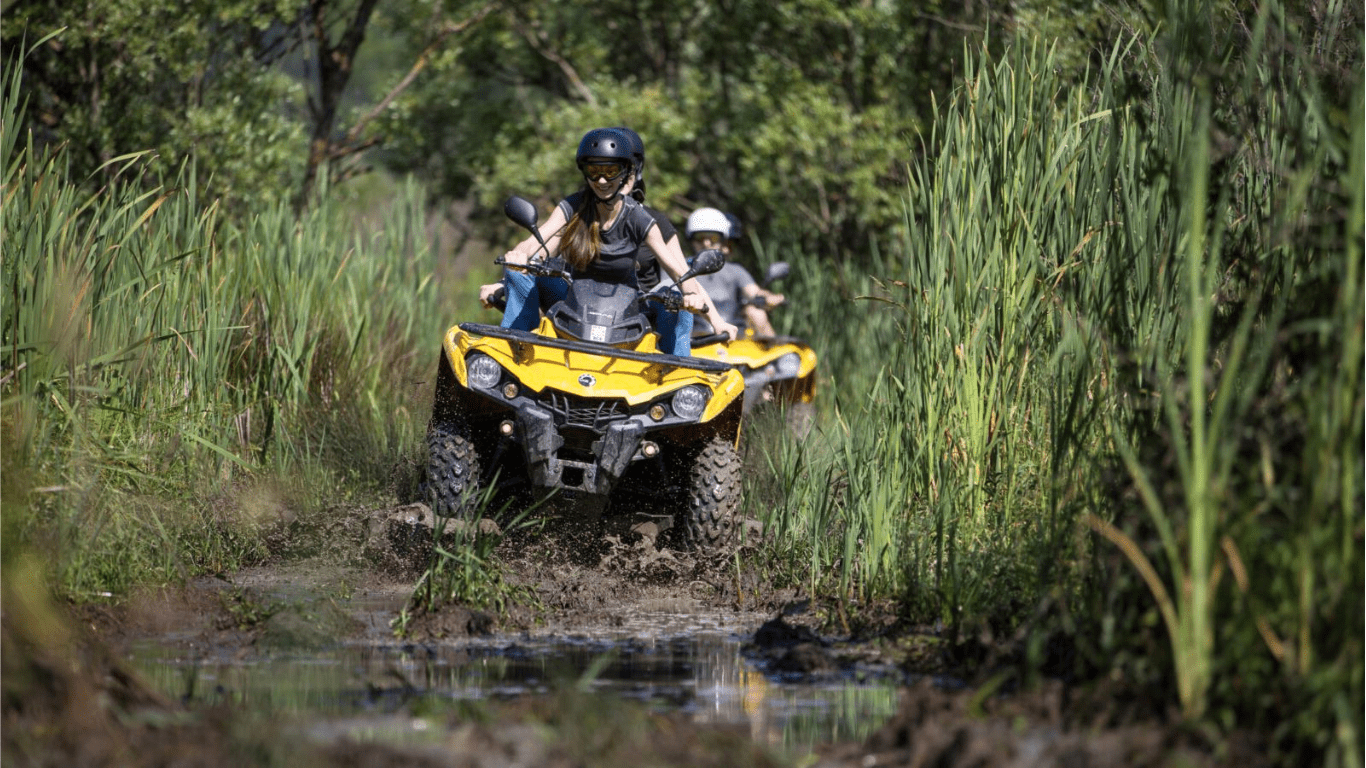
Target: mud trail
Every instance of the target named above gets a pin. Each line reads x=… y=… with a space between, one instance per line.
x=71 y=696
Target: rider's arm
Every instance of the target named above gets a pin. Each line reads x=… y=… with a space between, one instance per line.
x=757 y=317
x=676 y=248
x=758 y=320
x=550 y=232
x=674 y=263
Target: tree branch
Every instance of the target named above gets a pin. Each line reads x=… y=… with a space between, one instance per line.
x=447 y=29
x=570 y=74
x=338 y=150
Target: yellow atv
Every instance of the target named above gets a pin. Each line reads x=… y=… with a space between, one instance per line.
x=777 y=369
x=588 y=407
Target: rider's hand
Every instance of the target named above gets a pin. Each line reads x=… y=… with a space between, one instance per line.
x=694 y=303
x=773 y=299
x=731 y=331
x=486 y=292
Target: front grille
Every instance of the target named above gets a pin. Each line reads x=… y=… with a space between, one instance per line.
x=583 y=412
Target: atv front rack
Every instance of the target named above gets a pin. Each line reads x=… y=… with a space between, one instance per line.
x=588 y=347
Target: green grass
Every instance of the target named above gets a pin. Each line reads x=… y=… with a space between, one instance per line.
x=462 y=568
x=175 y=384
x=1131 y=309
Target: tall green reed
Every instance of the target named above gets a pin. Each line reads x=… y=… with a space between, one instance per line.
x=1135 y=303
x=942 y=446
x=1252 y=245
x=155 y=352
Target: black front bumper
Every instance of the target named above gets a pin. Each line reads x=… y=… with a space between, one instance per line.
x=541 y=442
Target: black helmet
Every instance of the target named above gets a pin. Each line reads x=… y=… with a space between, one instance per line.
x=608 y=144
x=637 y=146
x=638 y=154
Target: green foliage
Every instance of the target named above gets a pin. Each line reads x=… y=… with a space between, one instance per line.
x=463 y=570
x=247 y=611
x=798 y=116
x=177 y=80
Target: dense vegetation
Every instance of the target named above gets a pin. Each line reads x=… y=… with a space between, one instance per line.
x=797 y=116
x=1113 y=420
x=1140 y=317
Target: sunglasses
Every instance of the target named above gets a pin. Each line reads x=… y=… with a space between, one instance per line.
x=609 y=171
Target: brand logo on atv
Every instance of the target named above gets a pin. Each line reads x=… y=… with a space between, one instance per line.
x=587 y=380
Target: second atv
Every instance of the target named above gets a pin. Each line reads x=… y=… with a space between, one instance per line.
x=587 y=407
x=779 y=370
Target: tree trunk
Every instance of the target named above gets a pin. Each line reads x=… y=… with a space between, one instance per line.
x=334 y=72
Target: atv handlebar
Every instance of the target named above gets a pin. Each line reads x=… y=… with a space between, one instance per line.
x=704 y=263
x=671 y=298
x=711 y=338
x=551 y=267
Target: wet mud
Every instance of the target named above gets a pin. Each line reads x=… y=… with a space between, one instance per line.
x=73 y=696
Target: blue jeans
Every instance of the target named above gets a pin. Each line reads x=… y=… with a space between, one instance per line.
x=523 y=311
x=674 y=329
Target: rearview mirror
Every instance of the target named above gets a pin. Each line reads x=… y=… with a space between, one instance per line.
x=776 y=271
x=705 y=263
x=521 y=211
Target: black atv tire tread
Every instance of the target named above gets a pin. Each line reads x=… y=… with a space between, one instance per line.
x=713 y=497
x=452 y=471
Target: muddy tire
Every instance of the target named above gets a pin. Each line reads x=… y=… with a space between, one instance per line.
x=452 y=483
x=709 y=522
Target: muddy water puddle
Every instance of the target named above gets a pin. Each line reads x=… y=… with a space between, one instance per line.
x=690 y=662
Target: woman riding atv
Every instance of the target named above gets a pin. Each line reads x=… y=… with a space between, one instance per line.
x=739 y=298
x=598 y=231
x=669 y=325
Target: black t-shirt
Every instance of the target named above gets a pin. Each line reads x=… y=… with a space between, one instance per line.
x=616 y=262
x=647 y=266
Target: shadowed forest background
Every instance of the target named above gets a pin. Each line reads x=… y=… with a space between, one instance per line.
x=1085 y=280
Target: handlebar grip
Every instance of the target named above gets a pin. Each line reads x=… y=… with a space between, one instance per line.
x=711 y=338
x=552 y=267
x=670 y=299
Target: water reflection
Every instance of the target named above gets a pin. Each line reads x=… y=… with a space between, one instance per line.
x=699 y=668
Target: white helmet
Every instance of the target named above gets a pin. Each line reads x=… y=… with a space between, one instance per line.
x=707 y=220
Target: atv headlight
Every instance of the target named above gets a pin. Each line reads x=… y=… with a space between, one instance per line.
x=484 y=372
x=789 y=364
x=689 y=402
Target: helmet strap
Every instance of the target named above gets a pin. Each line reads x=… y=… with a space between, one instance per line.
x=608 y=200
x=616 y=193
